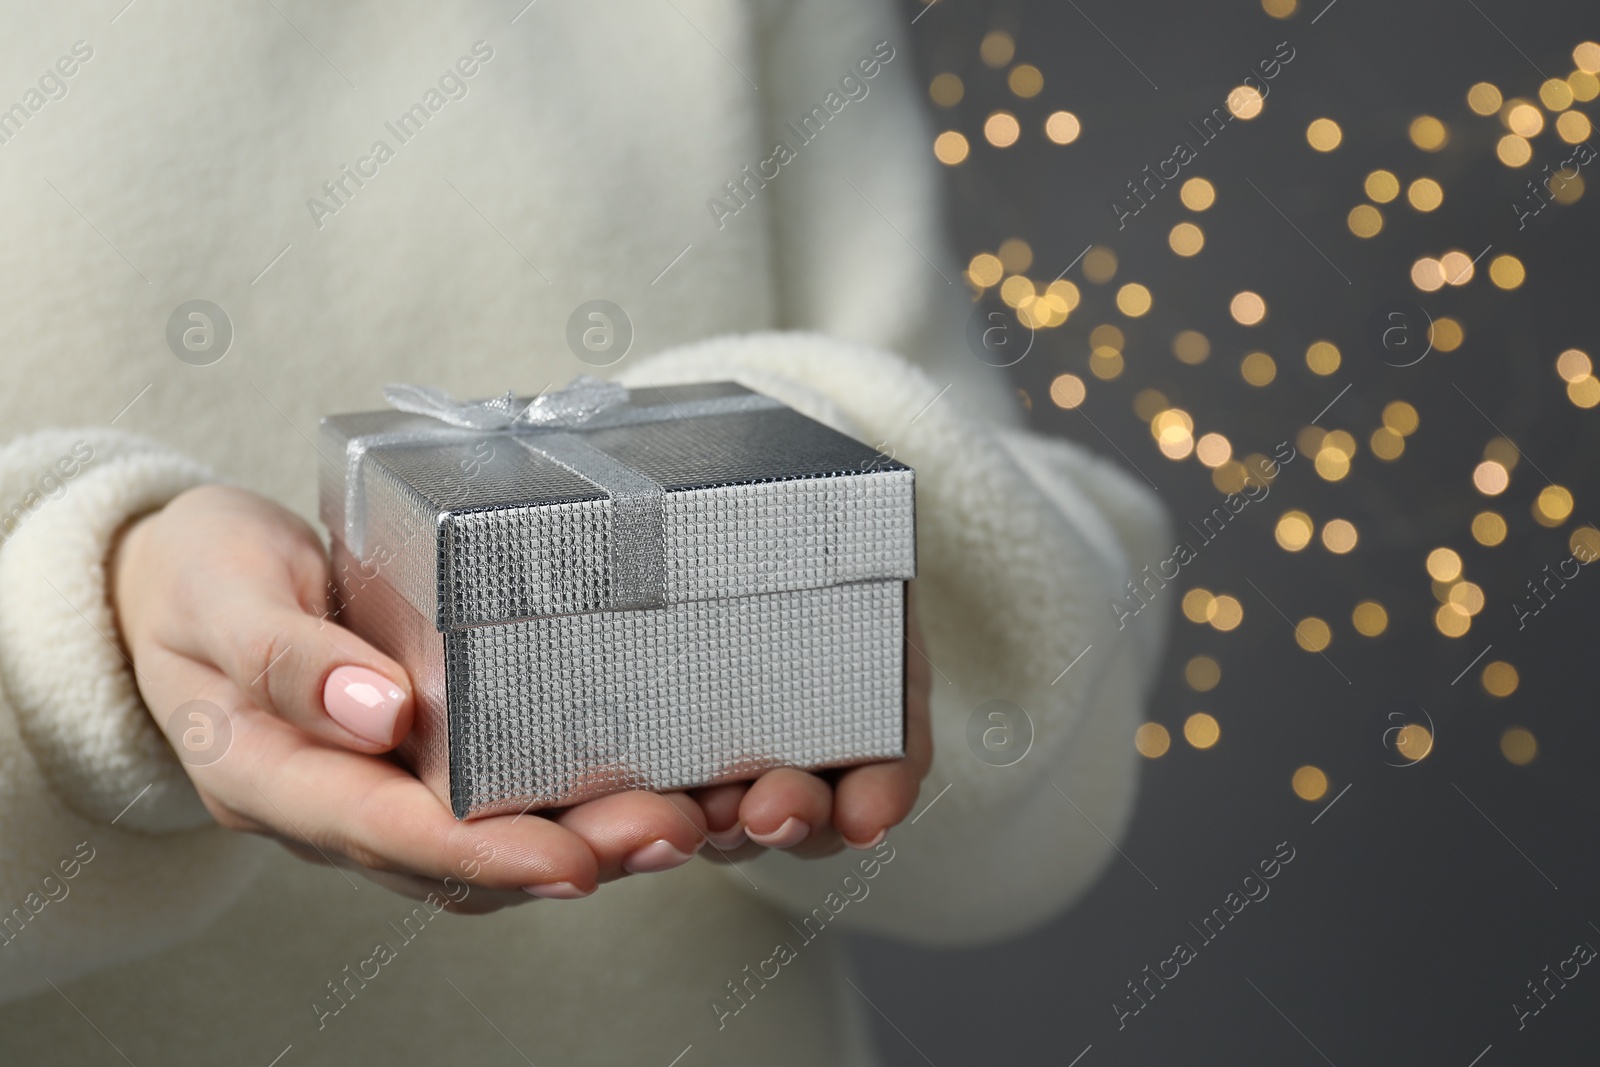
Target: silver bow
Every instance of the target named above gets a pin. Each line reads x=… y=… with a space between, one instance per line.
x=637 y=565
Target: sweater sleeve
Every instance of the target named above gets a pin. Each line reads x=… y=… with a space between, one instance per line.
x=1021 y=544
x=109 y=853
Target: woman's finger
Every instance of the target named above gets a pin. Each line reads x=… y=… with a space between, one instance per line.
x=638 y=832
x=784 y=806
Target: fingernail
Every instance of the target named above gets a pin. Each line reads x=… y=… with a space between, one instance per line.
x=363 y=702
x=729 y=839
x=790 y=834
x=877 y=840
x=654 y=857
x=556 y=891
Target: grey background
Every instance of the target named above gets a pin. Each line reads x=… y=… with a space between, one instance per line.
x=1416 y=909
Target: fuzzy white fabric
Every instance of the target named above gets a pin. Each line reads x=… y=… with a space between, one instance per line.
x=579 y=163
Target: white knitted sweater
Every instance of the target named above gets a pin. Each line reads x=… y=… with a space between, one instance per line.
x=764 y=209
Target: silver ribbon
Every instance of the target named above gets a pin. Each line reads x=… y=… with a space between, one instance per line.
x=638 y=541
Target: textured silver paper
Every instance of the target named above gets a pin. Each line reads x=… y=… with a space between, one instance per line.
x=491 y=570
x=553 y=711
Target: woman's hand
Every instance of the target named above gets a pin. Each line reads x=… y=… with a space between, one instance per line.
x=222 y=597
x=795 y=810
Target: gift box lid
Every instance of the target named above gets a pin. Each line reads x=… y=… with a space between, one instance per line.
x=669 y=494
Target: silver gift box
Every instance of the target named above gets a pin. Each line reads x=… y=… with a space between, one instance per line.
x=674 y=587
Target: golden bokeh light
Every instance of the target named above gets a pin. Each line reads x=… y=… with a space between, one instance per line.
x=1585 y=392
x=1312 y=634
x=1507 y=271
x=1451 y=621
x=1107 y=336
x=1063 y=291
x=1401 y=417
x=1553 y=506
x=1191 y=347
x=1197 y=194
x=1067 y=391
x=1513 y=151
x=1201 y=730
x=1025 y=80
x=1555 y=94
x=1001 y=129
x=1149 y=403
x=1365 y=220
x=1246 y=102
x=1523 y=119
x=1324 y=135
x=1202 y=673
x=1258 y=369
x=1413 y=742
x=1585 y=544
x=1227 y=613
x=1468 y=596
x=1230 y=477
x=1340 y=441
x=1382 y=186
x=1062 y=127
x=1458 y=268
x=1425 y=194
x=1099 y=264
x=1446 y=334
x=1133 y=300
x=1186 y=239
x=1499 y=679
x=1015 y=254
x=946 y=90
x=1369 y=618
x=1322 y=357
x=1213 y=450
x=1574 y=364
x=1331 y=464
x=997 y=48
x=1339 y=536
x=1428 y=133
x=1584 y=86
x=1386 y=444
x=1574 y=127
x=985 y=270
x=1427 y=274
x=1444 y=564
x=1016 y=290
x=1491 y=478
x=1199 y=605
x=1279 y=9
x=951 y=148
x=1293 y=530
x=1106 y=364
x=1518 y=746
x=1484 y=99
x=1586 y=57
x=1247 y=308
x=1488 y=528
x=1309 y=783
x=1152 y=740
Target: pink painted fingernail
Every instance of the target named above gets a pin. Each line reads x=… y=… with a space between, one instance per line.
x=363 y=702
x=791 y=833
x=729 y=839
x=556 y=891
x=877 y=840
x=654 y=857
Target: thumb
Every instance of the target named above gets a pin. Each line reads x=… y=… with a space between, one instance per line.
x=314 y=674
